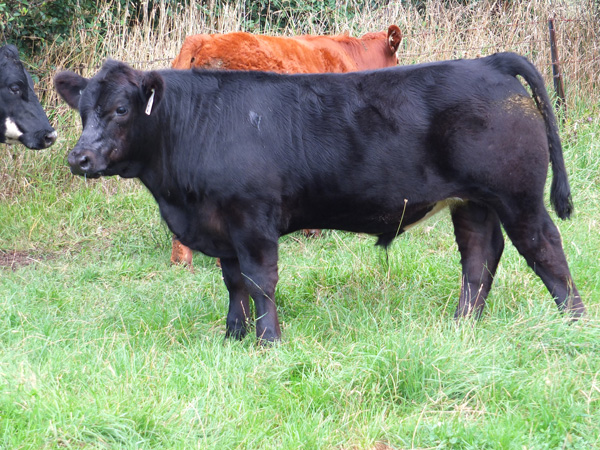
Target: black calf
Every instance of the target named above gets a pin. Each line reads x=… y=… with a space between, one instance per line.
x=22 y=118
x=235 y=160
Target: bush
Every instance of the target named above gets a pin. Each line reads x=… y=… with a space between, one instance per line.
x=30 y=24
x=33 y=24
x=284 y=14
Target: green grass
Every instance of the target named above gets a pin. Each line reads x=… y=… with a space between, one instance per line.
x=104 y=345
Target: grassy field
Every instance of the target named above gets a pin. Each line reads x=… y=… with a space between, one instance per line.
x=105 y=345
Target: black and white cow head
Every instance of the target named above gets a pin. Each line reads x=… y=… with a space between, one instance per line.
x=22 y=118
x=114 y=106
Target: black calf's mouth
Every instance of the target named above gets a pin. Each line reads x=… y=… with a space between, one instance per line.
x=85 y=174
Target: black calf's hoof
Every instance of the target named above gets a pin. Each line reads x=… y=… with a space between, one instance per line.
x=236 y=333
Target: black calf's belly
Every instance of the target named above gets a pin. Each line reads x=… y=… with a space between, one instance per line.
x=203 y=229
x=376 y=220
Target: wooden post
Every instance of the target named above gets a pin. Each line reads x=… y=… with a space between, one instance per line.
x=557 y=75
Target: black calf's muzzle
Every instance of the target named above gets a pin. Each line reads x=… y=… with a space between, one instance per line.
x=85 y=163
x=40 y=139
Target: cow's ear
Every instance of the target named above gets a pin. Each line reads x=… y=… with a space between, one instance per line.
x=9 y=52
x=70 y=86
x=394 y=37
x=153 y=87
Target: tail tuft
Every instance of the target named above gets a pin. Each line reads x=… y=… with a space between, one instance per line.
x=560 y=195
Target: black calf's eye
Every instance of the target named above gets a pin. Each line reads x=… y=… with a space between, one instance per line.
x=15 y=89
x=121 y=111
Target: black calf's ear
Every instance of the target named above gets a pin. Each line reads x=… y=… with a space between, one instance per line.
x=9 y=52
x=153 y=87
x=69 y=85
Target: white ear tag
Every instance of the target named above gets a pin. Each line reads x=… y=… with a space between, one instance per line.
x=150 y=102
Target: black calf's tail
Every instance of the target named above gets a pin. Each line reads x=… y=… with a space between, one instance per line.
x=560 y=192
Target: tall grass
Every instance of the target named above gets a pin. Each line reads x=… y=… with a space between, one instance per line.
x=438 y=30
x=103 y=345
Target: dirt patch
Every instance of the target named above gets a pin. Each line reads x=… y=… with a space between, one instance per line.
x=13 y=259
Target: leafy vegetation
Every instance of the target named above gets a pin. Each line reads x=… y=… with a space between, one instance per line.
x=20 y=21
x=35 y=24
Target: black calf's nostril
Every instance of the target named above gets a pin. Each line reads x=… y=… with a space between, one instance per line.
x=84 y=162
x=50 y=138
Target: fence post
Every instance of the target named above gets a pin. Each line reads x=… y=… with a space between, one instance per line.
x=556 y=73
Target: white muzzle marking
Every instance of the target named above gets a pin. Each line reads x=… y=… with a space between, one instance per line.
x=12 y=130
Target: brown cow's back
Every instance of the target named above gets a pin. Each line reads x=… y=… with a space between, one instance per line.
x=300 y=54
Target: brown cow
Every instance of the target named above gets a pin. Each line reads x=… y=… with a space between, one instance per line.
x=298 y=54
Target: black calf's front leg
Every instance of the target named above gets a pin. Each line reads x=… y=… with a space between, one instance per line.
x=238 y=317
x=480 y=242
x=257 y=258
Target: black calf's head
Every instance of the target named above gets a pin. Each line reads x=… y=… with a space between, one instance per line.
x=115 y=106
x=22 y=118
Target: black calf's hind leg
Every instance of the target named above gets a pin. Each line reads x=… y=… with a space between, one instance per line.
x=238 y=317
x=480 y=242
x=536 y=237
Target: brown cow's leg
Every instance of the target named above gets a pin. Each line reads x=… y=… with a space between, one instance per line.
x=311 y=232
x=536 y=237
x=238 y=317
x=180 y=254
x=480 y=242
